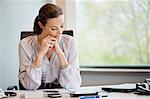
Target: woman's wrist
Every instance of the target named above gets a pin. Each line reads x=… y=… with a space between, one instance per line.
x=58 y=52
x=64 y=63
x=64 y=66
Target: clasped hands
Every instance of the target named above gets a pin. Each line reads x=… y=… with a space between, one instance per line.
x=49 y=43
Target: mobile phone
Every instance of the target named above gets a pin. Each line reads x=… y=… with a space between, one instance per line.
x=54 y=95
x=83 y=94
x=10 y=93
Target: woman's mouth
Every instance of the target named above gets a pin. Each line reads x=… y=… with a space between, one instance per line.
x=57 y=37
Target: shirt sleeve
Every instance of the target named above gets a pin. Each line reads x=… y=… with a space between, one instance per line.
x=29 y=77
x=70 y=77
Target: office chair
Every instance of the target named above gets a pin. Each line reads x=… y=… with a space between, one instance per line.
x=30 y=33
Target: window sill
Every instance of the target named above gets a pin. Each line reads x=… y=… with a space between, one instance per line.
x=114 y=70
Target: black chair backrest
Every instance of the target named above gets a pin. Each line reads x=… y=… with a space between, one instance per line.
x=30 y=33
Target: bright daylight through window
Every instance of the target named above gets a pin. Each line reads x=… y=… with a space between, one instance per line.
x=113 y=32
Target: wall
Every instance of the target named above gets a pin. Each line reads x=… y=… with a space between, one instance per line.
x=0 y=45
x=15 y=16
x=107 y=78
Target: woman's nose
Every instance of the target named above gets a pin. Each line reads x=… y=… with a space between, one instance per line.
x=60 y=30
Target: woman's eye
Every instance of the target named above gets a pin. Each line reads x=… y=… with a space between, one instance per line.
x=53 y=29
x=62 y=26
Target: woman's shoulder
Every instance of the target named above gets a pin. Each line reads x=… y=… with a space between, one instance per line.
x=68 y=41
x=67 y=38
x=28 y=41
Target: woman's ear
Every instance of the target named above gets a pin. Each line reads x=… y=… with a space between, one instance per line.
x=41 y=25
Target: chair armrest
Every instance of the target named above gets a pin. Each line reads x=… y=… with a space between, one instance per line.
x=12 y=87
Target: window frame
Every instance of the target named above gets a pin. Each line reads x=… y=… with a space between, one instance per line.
x=70 y=13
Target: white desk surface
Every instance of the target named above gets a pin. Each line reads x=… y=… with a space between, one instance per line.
x=65 y=94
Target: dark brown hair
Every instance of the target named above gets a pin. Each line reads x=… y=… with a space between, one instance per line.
x=46 y=12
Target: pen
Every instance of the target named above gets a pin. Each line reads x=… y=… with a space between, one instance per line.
x=91 y=97
x=50 y=91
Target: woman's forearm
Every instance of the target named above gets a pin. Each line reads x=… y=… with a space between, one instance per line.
x=38 y=60
x=63 y=61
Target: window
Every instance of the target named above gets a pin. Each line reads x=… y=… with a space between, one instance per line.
x=113 y=32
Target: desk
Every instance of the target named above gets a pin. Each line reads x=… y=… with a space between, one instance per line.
x=65 y=94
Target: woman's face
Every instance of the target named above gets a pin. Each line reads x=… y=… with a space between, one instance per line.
x=54 y=27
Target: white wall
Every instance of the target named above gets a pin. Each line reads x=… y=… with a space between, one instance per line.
x=15 y=16
x=0 y=48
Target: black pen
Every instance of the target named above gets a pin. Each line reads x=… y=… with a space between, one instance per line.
x=50 y=91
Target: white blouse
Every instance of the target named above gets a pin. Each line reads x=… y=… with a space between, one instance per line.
x=50 y=69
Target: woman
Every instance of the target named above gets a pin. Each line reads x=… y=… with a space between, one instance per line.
x=49 y=56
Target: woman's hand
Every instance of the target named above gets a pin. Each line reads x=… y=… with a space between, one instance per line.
x=57 y=48
x=50 y=43
x=47 y=44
